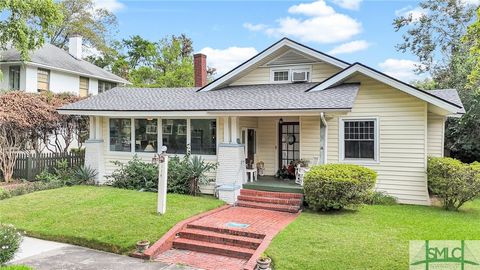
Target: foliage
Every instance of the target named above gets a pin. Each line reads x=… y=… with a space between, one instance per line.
x=104 y=218
x=376 y=237
x=15 y=267
x=336 y=186
x=198 y=169
x=63 y=175
x=85 y=175
x=26 y=23
x=135 y=174
x=10 y=243
x=435 y=38
x=178 y=175
x=454 y=182
x=472 y=39
x=28 y=188
x=380 y=198
x=81 y=17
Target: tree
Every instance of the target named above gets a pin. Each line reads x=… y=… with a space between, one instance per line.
x=26 y=23
x=472 y=40
x=435 y=38
x=81 y=17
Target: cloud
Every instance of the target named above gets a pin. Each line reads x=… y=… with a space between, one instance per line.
x=348 y=4
x=402 y=69
x=255 y=27
x=350 y=47
x=408 y=11
x=110 y=5
x=322 y=24
x=226 y=59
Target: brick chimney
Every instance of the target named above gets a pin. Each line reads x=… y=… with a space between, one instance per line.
x=200 y=69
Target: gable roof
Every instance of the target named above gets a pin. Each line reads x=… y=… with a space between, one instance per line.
x=430 y=97
x=50 y=56
x=266 y=97
x=284 y=42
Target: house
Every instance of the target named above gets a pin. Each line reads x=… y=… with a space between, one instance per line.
x=288 y=102
x=53 y=69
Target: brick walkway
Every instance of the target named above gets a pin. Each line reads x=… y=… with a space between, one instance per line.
x=262 y=223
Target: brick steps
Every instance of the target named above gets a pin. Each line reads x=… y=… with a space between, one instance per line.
x=213 y=248
x=276 y=201
x=227 y=231
x=269 y=200
x=220 y=238
x=270 y=206
x=280 y=195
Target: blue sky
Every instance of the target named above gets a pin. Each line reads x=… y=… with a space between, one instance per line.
x=230 y=32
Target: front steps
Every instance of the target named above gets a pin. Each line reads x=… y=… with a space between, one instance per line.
x=275 y=201
x=225 y=242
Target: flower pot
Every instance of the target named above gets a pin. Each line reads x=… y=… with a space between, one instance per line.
x=263 y=263
x=142 y=246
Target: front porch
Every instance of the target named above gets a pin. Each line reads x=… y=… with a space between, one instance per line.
x=270 y=183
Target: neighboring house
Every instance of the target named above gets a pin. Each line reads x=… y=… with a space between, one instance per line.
x=53 y=69
x=288 y=102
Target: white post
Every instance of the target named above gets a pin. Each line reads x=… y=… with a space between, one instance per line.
x=234 y=129
x=162 y=184
x=98 y=128
x=91 y=125
x=226 y=129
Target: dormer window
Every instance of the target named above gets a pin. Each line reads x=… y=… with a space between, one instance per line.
x=290 y=74
x=280 y=76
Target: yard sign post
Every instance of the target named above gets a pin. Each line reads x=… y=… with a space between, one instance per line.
x=162 y=162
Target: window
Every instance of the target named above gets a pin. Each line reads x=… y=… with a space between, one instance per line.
x=203 y=136
x=120 y=135
x=83 y=86
x=146 y=135
x=280 y=76
x=359 y=138
x=43 y=80
x=174 y=135
x=105 y=86
x=14 y=76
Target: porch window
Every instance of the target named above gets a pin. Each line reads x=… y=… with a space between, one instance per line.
x=120 y=135
x=14 y=74
x=174 y=135
x=203 y=136
x=359 y=139
x=146 y=135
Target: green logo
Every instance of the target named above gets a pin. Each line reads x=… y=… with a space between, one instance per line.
x=436 y=254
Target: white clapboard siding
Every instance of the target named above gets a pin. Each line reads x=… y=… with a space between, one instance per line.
x=435 y=131
x=402 y=134
x=309 y=137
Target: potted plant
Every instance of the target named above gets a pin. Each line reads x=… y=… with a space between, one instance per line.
x=142 y=246
x=263 y=262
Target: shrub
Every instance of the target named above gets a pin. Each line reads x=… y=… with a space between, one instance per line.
x=15 y=267
x=10 y=243
x=453 y=182
x=178 y=175
x=336 y=186
x=85 y=176
x=380 y=198
x=135 y=174
x=29 y=188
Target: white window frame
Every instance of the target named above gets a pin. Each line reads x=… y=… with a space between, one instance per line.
x=290 y=70
x=159 y=135
x=341 y=140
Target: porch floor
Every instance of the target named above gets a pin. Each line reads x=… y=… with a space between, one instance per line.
x=270 y=183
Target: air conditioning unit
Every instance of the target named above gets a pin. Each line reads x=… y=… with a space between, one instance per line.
x=300 y=76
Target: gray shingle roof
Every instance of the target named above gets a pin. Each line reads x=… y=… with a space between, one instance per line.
x=53 y=56
x=450 y=95
x=247 y=97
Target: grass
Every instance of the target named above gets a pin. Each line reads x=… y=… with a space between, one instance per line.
x=103 y=218
x=373 y=237
x=15 y=267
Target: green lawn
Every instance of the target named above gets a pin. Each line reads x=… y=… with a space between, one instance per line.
x=99 y=217
x=374 y=237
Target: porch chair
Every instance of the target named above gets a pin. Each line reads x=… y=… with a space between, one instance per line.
x=300 y=171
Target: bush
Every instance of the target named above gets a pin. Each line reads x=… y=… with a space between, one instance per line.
x=453 y=182
x=186 y=174
x=380 y=198
x=15 y=267
x=84 y=176
x=336 y=186
x=28 y=188
x=136 y=174
x=10 y=242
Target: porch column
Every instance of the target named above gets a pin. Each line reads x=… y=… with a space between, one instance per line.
x=91 y=125
x=226 y=129
x=231 y=162
x=94 y=148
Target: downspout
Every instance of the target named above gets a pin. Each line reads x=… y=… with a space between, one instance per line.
x=322 y=117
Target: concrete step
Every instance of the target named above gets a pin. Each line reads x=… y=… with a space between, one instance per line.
x=220 y=238
x=226 y=231
x=270 y=200
x=270 y=206
x=279 y=195
x=213 y=248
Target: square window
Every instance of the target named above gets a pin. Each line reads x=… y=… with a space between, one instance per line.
x=359 y=139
